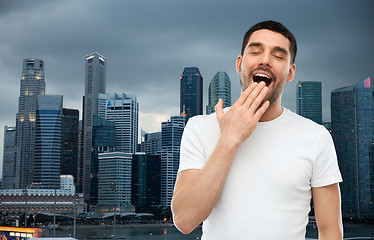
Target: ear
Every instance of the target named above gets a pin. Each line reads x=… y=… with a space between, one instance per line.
x=238 y=63
x=291 y=73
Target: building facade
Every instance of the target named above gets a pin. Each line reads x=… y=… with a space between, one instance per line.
x=122 y=109
x=32 y=84
x=9 y=157
x=95 y=83
x=171 y=135
x=219 y=87
x=191 y=92
x=48 y=141
x=352 y=125
x=69 y=142
x=146 y=180
x=114 y=182
x=309 y=100
x=151 y=143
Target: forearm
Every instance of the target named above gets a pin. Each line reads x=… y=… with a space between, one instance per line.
x=195 y=200
x=330 y=234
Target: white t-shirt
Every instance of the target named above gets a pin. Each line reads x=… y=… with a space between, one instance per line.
x=267 y=192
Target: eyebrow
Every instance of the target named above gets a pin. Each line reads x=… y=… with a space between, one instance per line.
x=276 y=48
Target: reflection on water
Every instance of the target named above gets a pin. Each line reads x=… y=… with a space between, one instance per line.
x=165 y=232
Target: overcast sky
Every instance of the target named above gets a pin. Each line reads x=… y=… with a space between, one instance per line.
x=148 y=43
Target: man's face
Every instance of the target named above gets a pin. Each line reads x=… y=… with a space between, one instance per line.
x=266 y=58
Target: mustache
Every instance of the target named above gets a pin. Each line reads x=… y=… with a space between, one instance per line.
x=263 y=69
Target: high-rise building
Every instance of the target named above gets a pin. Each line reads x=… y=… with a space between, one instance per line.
x=151 y=143
x=352 y=114
x=9 y=157
x=309 y=100
x=191 y=92
x=171 y=135
x=219 y=87
x=69 y=141
x=48 y=141
x=123 y=110
x=103 y=140
x=114 y=181
x=32 y=85
x=95 y=83
x=146 y=180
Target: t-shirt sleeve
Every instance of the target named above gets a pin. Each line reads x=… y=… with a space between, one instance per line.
x=325 y=168
x=192 y=150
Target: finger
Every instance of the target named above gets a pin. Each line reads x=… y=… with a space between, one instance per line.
x=261 y=110
x=259 y=99
x=253 y=95
x=219 y=110
x=245 y=94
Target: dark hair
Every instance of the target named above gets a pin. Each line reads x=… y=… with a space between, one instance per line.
x=275 y=27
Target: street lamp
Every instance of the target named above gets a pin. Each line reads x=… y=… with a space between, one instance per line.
x=114 y=187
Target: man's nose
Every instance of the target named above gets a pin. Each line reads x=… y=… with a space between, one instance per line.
x=265 y=60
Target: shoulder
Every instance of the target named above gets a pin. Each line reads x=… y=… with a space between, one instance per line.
x=305 y=127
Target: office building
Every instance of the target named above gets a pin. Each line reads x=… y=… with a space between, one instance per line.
x=95 y=83
x=352 y=125
x=122 y=109
x=146 y=180
x=103 y=140
x=151 y=143
x=9 y=157
x=219 y=87
x=191 y=92
x=32 y=84
x=171 y=135
x=309 y=100
x=114 y=182
x=69 y=141
x=48 y=141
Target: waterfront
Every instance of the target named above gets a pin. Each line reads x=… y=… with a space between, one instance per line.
x=169 y=232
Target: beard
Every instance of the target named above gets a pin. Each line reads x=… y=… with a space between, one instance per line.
x=275 y=88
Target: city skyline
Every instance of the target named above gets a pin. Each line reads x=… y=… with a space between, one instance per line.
x=148 y=47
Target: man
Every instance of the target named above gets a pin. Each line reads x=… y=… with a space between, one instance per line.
x=249 y=172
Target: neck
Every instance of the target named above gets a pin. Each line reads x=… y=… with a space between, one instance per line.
x=274 y=110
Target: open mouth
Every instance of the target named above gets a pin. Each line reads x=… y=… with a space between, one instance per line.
x=262 y=77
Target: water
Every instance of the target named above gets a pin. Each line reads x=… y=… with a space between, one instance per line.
x=166 y=232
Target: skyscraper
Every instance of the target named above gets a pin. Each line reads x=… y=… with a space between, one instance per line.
x=103 y=140
x=9 y=156
x=115 y=181
x=219 y=87
x=171 y=135
x=32 y=85
x=151 y=143
x=48 y=141
x=123 y=110
x=146 y=180
x=95 y=83
x=309 y=100
x=191 y=92
x=69 y=141
x=352 y=114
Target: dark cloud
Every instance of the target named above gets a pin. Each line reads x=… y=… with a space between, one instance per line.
x=148 y=43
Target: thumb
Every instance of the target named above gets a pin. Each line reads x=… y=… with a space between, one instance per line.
x=219 y=110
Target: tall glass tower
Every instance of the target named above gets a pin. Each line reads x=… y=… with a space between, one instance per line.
x=352 y=114
x=171 y=136
x=95 y=83
x=191 y=92
x=32 y=85
x=309 y=100
x=48 y=141
x=219 y=87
